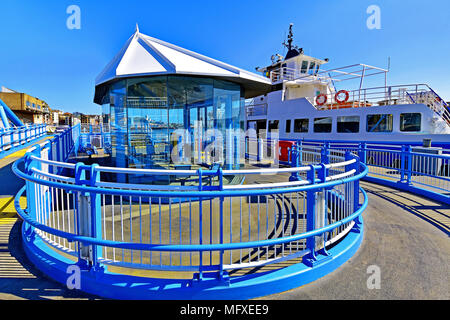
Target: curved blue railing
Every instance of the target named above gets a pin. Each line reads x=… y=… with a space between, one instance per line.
x=421 y=170
x=209 y=230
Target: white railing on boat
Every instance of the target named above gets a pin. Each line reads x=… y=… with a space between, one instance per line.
x=387 y=95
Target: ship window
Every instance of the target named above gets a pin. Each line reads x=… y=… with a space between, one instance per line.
x=311 y=67
x=322 y=124
x=301 y=125
x=273 y=125
x=379 y=123
x=410 y=121
x=348 y=124
x=288 y=126
x=304 y=66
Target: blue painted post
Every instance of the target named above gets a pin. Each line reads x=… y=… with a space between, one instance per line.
x=402 y=163
x=311 y=217
x=295 y=163
x=260 y=149
x=1 y=139
x=221 y=271
x=324 y=153
x=200 y=225
x=31 y=194
x=237 y=151
x=316 y=209
x=11 y=139
x=357 y=167
x=96 y=217
x=300 y=152
x=409 y=162
x=362 y=152
x=82 y=216
x=290 y=155
x=322 y=209
x=48 y=146
x=58 y=158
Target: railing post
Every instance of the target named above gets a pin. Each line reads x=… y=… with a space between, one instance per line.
x=325 y=153
x=57 y=143
x=30 y=186
x=362 y=152
x=260 y=149
x=96 y=216
x=1 y=139
x=83 y=217
x=300 y=152
x=357 y=167
x=221 y=271
x=316 y=214
x=295 y=163
x=199 y=277
x=402 y=164
x=409 y=163
x=311 y=216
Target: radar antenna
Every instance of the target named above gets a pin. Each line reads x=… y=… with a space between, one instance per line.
x=290 y=38
x=292 y=49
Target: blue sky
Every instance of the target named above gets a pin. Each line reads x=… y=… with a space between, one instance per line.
x=39 y=55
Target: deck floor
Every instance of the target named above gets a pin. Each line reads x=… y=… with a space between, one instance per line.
x=405 y=235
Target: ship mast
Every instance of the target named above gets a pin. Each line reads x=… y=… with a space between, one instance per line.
x=292 y=49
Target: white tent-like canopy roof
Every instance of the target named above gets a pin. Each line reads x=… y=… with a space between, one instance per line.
x=146 y=56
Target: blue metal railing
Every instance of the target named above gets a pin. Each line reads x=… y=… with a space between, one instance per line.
x=14 y=137
x=208 y=228
x=215 y=227
x=420 y=170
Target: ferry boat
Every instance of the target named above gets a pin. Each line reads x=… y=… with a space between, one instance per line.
x=312 y=104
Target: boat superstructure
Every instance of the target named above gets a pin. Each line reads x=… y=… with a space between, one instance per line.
x=309 y=103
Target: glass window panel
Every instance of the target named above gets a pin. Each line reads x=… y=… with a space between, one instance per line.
x=304 y=66
x=348 y=124
x=410 y=122
x=323 y=124
x=311 y=67
x=301 y=125
x=273 y=125
x=379 y=123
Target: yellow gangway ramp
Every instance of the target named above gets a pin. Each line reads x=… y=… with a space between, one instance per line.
x=8 y=213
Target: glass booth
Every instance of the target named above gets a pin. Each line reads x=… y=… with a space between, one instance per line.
x=169 y=121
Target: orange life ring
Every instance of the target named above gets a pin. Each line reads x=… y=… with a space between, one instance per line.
x=324 y=99
x=347 y=95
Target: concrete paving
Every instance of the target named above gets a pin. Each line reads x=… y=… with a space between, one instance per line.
x=405 y=236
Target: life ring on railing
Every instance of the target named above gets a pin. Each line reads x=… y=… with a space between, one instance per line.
x=339 y=101
x=321 y=99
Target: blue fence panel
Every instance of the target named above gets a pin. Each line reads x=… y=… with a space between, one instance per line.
x=211 y=230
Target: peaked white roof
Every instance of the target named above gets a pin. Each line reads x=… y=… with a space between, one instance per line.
x=146 y=56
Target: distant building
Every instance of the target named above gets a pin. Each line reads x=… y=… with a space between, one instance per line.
x=29 y=109
x=87 y=119
x=55 y=116
x=65 y=118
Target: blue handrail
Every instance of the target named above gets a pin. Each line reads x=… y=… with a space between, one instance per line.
x=184 y=248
